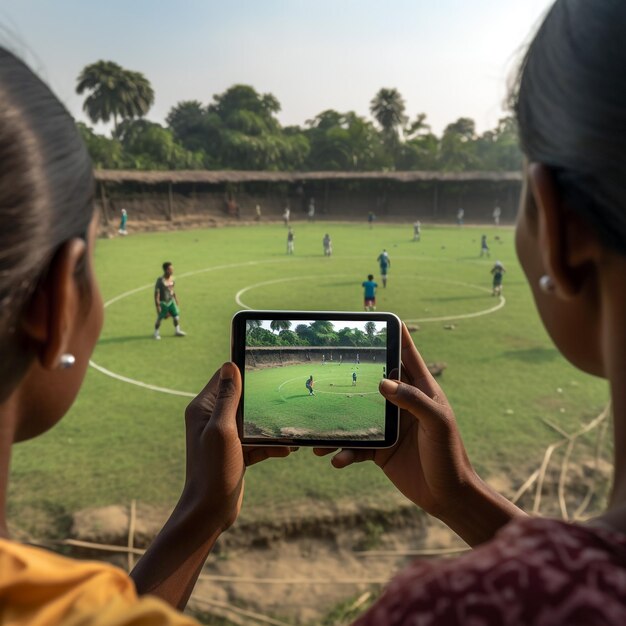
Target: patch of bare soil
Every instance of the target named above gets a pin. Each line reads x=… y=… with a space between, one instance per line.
x=297 y=562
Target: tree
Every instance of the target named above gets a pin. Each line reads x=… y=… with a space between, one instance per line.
x=499 y=149
x=104 y=152
x=458 y=146
x=278 y=325
x=252 y=325
x=114 y=92
x=344 y=141
x=370 y=330
x=189 y=122
x=289 y=338
x=150 y=146
x=246 y=134
x=387 y=107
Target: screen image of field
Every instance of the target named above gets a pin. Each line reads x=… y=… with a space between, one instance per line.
x=315 y=392
x=278 y=402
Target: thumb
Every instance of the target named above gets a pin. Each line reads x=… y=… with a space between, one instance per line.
x=415 y=401
x=227 y=398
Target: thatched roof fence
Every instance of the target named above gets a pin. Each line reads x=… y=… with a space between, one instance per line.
x=215 y=177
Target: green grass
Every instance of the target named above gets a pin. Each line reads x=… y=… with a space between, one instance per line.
x=121 y=441
x=278 y=403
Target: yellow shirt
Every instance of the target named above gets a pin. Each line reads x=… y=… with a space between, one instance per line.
x=39 y=588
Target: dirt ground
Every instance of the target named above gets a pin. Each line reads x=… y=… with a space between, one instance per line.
x=297 y=564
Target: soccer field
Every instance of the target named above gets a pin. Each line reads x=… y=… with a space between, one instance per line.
x=124 y=437
x=278 y=403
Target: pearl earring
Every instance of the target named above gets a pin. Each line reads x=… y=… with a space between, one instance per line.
x=66 y=361
x=546 y=284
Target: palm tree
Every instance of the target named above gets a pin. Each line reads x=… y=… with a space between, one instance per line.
x=370 y=330
x=278 y=325
x=387 y=107
x=114 y=92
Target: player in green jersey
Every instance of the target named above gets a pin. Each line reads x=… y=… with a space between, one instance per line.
x=166 y=301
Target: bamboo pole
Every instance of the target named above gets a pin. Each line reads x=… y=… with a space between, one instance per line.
x=241 y=612
x=170 y=208
x=103 y=199
x=131 y=535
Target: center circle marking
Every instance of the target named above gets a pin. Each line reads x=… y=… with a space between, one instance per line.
x=188 y=394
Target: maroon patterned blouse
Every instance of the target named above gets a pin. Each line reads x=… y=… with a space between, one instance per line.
x=534 y=572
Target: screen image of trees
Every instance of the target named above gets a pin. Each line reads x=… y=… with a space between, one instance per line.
x=316 y=333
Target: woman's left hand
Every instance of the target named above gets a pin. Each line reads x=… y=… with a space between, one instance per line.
x=216 y=460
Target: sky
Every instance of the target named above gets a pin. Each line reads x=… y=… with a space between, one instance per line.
x=448 y=58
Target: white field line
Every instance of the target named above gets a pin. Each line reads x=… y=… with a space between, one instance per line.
x=187 y=394
x=138 y=383
x=446 y=318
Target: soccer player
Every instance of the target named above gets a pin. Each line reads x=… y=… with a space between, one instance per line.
x=323 y=359
x=498 y=272
x=328 y=245
x=286 y=216
x=166 y=301
x=417 y=228
x=258 y=213
x=384 y=372
x=354 y=379
x=290 y=238
x=340 y=359
x=496 y=215
x=385 y=263
x=484 y=248
x=311 y=213
x=123 y=220
x=460 y=216
x=370 y=219
x=358 y=360
x=309 y=385
x=370 y=293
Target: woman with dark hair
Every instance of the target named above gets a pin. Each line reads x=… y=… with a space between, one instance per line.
x=50 y=318
x=570 y=103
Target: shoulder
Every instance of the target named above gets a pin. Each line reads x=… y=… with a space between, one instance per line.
x=81 y=592
x=534 y=571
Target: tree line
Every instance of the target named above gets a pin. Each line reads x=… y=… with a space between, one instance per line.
x=239 y=129
x=317 y=333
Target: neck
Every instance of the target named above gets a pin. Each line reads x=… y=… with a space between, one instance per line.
x=614 y=348
x=8 y=420
x=618 y=395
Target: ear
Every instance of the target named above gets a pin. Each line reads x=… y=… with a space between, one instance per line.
x=56 y=305
x=567 y=245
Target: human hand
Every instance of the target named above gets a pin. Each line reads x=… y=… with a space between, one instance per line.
x=216 y=460
x=428 y=464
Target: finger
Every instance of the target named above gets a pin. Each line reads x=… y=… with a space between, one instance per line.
x=416 y=367
x=256 y=455
x=415 y=401
x=347 y=457
x=323 y=451
x=224 y=415
x=205 y=400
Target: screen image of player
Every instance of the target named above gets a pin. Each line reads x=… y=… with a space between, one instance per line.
x=315 y=379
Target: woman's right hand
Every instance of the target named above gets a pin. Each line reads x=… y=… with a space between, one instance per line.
x=429 y=464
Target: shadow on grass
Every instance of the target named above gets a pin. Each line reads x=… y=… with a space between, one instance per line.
x=454 y=298
x=128 y=339
x=532 y=355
